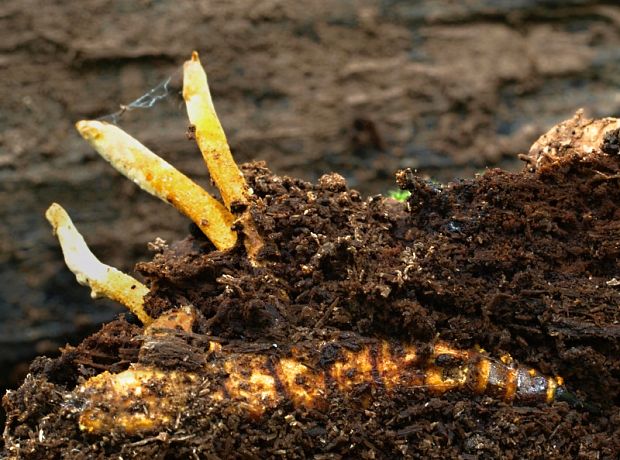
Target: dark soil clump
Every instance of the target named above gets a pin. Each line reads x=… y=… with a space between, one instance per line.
x=520 y=263
x=362 y=88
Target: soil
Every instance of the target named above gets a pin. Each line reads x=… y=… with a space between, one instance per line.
x=524 y=263
x=361 y=88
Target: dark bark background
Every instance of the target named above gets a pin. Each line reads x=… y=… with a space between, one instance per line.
x=358 y=87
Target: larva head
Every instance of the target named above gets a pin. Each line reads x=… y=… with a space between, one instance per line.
x=562 y=394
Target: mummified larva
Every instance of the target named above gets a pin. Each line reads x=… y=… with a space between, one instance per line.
x=261 y=381
x=258 y=381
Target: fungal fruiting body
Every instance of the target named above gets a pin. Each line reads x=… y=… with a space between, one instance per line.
x=147 y=397
x=211 y=137
x=104 y=281
x=161 y=179
x=260 y=381
x=212 y=142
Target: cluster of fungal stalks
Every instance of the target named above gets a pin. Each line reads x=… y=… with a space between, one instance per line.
x=256 y=381
x=159 y=178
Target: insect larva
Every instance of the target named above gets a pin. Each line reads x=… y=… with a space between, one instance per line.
x=259 y=381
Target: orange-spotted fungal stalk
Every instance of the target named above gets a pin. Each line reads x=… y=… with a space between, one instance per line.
x=212 y=142
x=104 y=281
x=159 y=178
x=258 y=382
x=210 y=135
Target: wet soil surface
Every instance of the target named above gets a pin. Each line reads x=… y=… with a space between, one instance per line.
x=522 y=263
x=361 y=88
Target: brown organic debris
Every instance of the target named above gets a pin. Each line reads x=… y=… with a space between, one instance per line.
x=358 y=334
x=580 y=137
